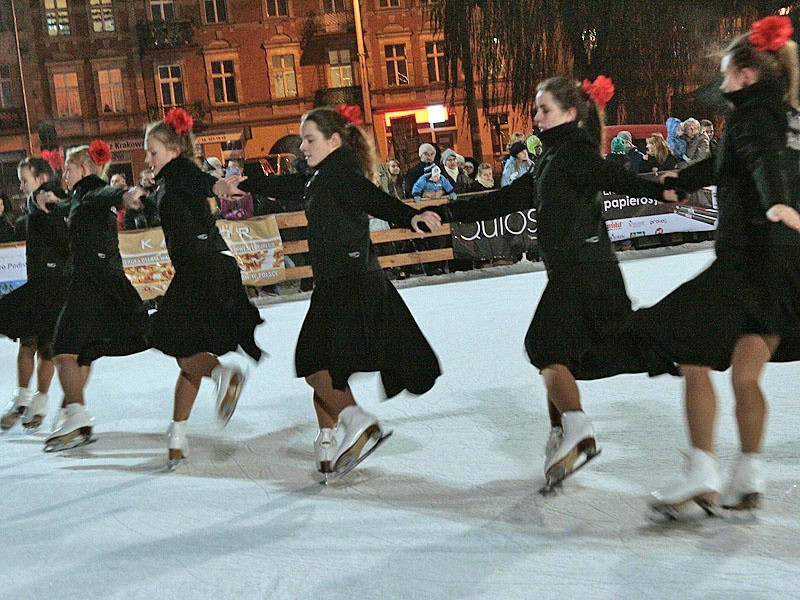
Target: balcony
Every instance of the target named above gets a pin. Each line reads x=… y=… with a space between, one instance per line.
x=336 y=96
x=12 y=119
x=164 y=34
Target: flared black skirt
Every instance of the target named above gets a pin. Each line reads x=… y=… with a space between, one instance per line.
x=206 y=309
x=103 y=315
x=32 y=309
x=582 y=308
x=700 y=322
x=361 y=324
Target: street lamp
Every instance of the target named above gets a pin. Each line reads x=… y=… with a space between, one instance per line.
x=362 y=67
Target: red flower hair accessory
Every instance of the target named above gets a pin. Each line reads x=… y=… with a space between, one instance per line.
x=100 y=152
x=53 y=158
x=179 y=120
x=600 y=91
x=351 y=113
x=771 y=33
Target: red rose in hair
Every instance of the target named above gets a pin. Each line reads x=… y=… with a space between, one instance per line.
x=351 y=113
x=100 y=152
x=179 y=120
x=771 y=33
x=600 y=91
x=53 y=158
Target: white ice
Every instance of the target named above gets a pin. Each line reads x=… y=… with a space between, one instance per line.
x=447 y=508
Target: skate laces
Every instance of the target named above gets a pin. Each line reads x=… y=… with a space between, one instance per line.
x=556 y=434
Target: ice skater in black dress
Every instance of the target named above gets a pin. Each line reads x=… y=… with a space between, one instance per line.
x=29 y=313
x=357 y=321
x=744 y=310
x=585 y=295
x=103 y=314
x=205 y=312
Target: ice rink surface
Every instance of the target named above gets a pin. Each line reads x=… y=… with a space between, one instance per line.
x=447 y=508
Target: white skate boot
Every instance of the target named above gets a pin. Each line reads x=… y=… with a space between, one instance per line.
x=553 y=442
x=178 y=444
x=229 y=381
x=35 y=413
x=76 y=430
x=20 y=398
x=358 y=434
x=564 y=450
x=700 y=483
x=324 y=450
x=747 y=484
x=61 y=415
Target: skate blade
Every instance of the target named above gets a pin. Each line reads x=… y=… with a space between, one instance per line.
x=559 y=473
x=356 y=460
x=679 y=511
x=81 y=439
x=34 y=424
x=751 y=501
x=176 y=457
x=9 y=420
x=228 y=405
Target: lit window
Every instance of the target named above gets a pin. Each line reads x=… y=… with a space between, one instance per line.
x=102 y=15
x=284 y=77
x=112 y=98
x=57 y=17
x=68 y=99
x=341 y=68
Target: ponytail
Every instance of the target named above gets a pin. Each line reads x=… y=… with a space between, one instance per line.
x=354 y=138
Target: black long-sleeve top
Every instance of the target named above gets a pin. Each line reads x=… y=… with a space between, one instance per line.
x=47 y=240
x=338 y=203
x=189 y=227
x=91 y=216
x=749 y=170
x=564 y=189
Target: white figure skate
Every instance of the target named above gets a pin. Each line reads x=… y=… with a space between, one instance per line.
x=358 y=434
x=35 y=413
x=324 y=450
x=699 y=483
x=178 y=444
x=747 y=485
x=229 y=381
x=15 y=408
x=569 y=450
x=76 y=430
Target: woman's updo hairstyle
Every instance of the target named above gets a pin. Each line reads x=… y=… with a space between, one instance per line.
x=346 y=121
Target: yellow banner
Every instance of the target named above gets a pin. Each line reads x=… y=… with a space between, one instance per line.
x=256 y=244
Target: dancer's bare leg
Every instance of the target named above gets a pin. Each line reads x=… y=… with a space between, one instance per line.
x=750 y=355
x=701 y=406
x=193 y=369
x=328 y=401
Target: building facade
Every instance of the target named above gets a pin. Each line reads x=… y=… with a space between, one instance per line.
x=74 y=70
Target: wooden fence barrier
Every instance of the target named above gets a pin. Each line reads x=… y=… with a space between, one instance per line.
x=292 y=220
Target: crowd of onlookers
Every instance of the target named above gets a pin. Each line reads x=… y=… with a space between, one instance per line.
x=438 y=173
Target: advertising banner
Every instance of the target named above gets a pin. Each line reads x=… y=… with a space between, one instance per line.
x=255 y=243
x=13 y=272
x=501 y=238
